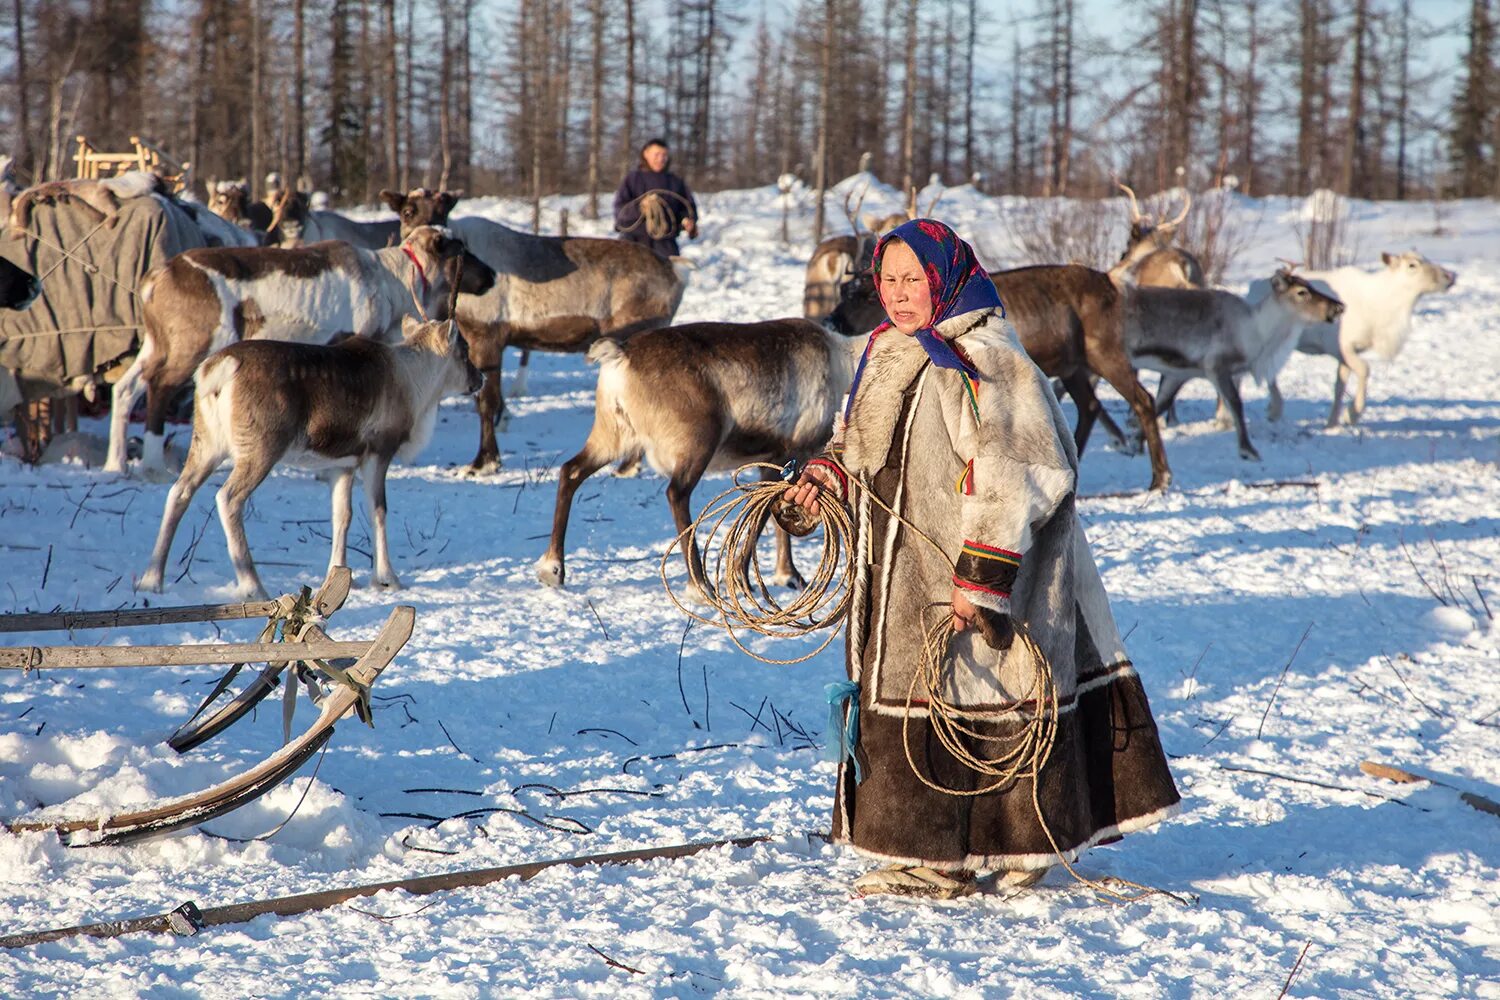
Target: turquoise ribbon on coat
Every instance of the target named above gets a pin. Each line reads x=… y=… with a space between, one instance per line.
x=843 y=724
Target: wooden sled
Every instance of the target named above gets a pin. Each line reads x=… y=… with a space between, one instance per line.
x=313 y=647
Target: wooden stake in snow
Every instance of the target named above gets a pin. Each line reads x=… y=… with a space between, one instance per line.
x=1389 y=773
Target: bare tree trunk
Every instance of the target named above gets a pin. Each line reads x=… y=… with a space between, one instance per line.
x=969 y=163
x=596 y=106
x=629 y=142
x=909 y=104
x=1307 y=95
x=1354 y=179
x=299 y=94
x=825 y=101
x=392 y=99
x=409 y=99
x=257 y=83
x=23 y=97
x=1252 y=87
x=1403 y=99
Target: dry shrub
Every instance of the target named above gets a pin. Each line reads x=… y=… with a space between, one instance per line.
x=1326 y=232
x=1215 y=234
x=1067 y=231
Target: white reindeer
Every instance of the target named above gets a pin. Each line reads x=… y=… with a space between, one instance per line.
x=341 y=408
x=202 y=300
x=1377 y=317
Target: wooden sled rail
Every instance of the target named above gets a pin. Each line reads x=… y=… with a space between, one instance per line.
x=328 y=599
x=205 y=805
x=103 y=657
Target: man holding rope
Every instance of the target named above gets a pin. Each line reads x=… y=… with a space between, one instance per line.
x=653 y=204
x=992 y=721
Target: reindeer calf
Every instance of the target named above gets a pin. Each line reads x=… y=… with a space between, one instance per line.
x=351 y=406
x=702 y=397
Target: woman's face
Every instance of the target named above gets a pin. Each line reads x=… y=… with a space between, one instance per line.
x=656 y=157
x=904 y=291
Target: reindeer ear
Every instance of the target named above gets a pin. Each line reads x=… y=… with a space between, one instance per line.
x=445 y=202
x=1280 y=282
x=1389 y=259
x=409 y=326
x=394 y=199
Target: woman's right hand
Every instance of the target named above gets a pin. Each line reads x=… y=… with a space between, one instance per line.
x=797 y=509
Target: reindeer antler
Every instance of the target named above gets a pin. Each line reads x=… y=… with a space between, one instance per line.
x=278 y=207
x=1135 y=206
x=854 y=215
x=1291 y=265
x=933 y=207
x=1186 y=204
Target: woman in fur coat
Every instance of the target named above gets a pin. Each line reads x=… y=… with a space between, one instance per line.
x=951 y=425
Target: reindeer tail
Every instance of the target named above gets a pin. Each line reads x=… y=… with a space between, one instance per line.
x=606 y=352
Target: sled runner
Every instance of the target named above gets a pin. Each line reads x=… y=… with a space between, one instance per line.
x=350 y=668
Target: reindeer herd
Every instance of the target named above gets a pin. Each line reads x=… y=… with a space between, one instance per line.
x=325 y=342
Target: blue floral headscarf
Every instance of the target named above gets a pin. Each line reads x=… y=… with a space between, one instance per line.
x=956 y=280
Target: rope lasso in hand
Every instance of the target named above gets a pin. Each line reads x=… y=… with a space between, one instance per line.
x=654 y=214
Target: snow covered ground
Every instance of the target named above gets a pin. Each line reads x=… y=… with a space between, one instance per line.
x=590 y=710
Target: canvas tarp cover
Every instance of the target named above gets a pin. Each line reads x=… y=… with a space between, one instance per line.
x=84 y=322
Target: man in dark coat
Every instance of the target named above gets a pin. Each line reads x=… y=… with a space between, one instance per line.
x=653 y=204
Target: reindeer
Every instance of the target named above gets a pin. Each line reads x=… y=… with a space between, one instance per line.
x=102 y=196
x=1378 y=307
x=550 y=293
x=703 y=397
x=299 y=224
x=1067 y=318
x=351 y=406
x=202 y=300
x=231 y=200
x=1149 y=258
x=837 y=260
x=1186 y=333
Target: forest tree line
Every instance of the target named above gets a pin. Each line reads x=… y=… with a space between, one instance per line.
x=538 y=97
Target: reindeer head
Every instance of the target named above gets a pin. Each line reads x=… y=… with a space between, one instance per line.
x=230 y=200
x=443 y=339
x=859 y=310
x=421 y=207
x=1411 y=267
x=289 y=216
x=1310 y=303
x=1145 y=228
x=440 y=257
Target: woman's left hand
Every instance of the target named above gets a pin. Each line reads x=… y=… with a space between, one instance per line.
x=963 y=611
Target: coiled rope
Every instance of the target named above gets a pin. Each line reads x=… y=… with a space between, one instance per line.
x=655 y=215
x=742 y=511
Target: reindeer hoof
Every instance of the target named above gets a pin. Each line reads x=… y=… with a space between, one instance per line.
x=150 y=580
x=1354 y=415
x=1249 y=454
x=1161 y=483
x=792 y=579
x=385 y=582
x=484 y=465
x=550 y=572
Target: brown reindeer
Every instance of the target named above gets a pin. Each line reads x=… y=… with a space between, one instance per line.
x=352 y=406
x=1068 y=319
x=703 y=397
x=231 y=200
x=551 y=293
x=1149 y=258
x=293 y=217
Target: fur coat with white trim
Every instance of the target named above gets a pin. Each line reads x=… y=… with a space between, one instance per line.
x=986 y=469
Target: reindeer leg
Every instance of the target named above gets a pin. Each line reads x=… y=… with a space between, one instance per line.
x=490 y=405
x=341 y=492
x=1079 y=387
x=1276 y=408
x=1338 y=394
x=518 y=384
x=786 y=574
x=125 y=393
x=1222 y=420
x=1122 y=377
x=679 y=492
x=195 y=472
x=154 y=449
x=1361 y=369
x=1224 y=382
x=374 y=472
x=550 y=569
x=250 y=470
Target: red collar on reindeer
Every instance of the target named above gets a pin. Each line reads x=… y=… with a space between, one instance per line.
x=420 y=300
